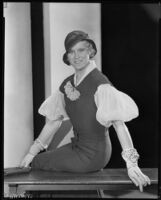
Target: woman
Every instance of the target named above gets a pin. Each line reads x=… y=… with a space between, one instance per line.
x=92 y=104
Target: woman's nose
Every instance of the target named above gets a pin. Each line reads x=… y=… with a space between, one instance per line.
x=76 y=54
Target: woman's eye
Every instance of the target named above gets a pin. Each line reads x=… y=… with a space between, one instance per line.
x=71 y=52
x=81 y=50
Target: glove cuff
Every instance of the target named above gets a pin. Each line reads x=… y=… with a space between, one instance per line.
x=42 y=145
x=131 y=157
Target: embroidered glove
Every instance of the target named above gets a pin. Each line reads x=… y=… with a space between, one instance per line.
x=34 y=150
x=131 y=157
x=138 y=178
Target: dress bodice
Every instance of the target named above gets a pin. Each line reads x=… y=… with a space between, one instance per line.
x=82 y=111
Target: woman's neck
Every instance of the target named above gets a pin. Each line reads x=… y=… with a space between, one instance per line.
x=79 y=73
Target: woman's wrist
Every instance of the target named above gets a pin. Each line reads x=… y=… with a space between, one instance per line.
x=131 y=157
x=41 y=144
x=36 y=148
x=31 y=154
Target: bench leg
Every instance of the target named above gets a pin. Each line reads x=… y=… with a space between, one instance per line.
x=100 y=193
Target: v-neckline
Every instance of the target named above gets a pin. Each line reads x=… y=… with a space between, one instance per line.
x=76 y=86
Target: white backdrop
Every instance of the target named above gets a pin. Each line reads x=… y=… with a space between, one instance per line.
x=59 y=20
x=18 y=105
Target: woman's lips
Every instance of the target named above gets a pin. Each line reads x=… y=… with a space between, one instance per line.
x=77 y=61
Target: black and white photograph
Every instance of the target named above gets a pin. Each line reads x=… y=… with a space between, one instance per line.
x=81 y=100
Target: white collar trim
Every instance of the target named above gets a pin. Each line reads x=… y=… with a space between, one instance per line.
x=92 y=65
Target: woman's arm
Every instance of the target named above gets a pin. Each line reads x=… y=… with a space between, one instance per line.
x=130 y=155
x=115 y=107
x=123 y=135
x=48 y=131
x=42 y=141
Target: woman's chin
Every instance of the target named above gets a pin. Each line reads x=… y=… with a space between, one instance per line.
x=80 y=65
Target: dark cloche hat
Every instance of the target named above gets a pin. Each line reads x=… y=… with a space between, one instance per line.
x=74 y=37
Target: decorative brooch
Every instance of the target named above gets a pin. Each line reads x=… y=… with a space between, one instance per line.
x=71 y=91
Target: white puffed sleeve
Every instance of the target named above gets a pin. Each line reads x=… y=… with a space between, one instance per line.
x=54 y=107
x=113 y=105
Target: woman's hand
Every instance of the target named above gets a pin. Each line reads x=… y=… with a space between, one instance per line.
x=34 y=150
x=27 y=160
x=138 y=178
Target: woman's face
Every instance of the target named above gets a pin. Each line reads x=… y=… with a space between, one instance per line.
x=79 y=55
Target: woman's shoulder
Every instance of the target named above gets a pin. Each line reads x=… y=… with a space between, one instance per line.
x=100 y=78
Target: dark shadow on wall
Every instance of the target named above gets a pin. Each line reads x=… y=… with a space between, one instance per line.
x=130 y=61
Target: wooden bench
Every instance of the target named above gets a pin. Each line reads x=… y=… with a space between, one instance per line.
x=105 y=180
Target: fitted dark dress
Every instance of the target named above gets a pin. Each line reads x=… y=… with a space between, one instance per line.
x=90 y=148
